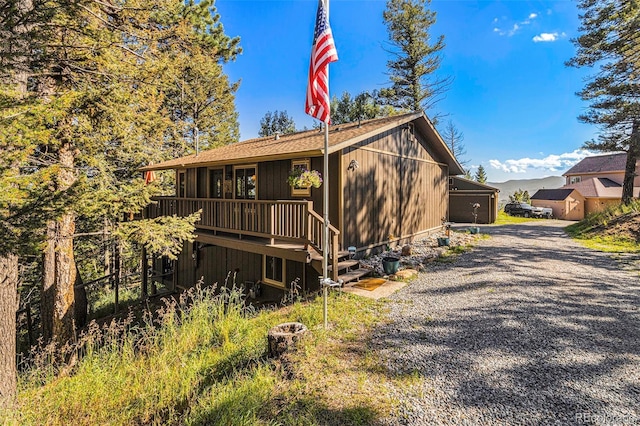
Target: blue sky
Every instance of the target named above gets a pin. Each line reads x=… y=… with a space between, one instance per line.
x=511 y=96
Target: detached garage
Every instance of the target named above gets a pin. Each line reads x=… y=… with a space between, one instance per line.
x=464 y=193
x=566 y=203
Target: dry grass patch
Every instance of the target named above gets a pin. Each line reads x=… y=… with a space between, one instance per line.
x=206 y=363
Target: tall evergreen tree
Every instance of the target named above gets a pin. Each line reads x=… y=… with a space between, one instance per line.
x=101 y=103
x=610 y=39
x=481 y=175
x=416 y=56
x=276 y=122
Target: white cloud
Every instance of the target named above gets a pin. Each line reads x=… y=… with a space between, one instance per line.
x=546 y=37
x=552 y=163
x=516 y=27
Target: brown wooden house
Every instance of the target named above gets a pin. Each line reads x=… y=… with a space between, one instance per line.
x=388 y=182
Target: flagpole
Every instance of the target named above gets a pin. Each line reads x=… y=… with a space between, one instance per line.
x=318 y=105
x=325 y=209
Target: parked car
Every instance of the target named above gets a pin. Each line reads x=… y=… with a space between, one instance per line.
x=518 y=208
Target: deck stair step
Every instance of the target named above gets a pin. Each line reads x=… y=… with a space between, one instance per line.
x=354 y=275
x=343 y=253
x=345 y=264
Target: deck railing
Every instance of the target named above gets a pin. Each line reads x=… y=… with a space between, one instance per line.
x=288 y=220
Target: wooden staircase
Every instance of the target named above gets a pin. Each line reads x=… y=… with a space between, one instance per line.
x=349 y=270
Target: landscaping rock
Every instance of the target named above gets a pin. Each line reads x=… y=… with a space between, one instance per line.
x=419 y=254
x=406 y=274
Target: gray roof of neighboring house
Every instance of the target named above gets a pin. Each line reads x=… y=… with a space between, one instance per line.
x=600 y=164
x=552 y=194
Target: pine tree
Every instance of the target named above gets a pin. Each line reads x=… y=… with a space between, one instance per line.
x=10 y=195
x=610 y=39
x=101 y=104
x=454 y=138
x=276 y=122
x=520 y=195
x=481 y=175
x=364 y=106
x=414 y=85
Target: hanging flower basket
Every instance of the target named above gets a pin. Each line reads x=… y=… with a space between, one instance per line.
x=300 y=178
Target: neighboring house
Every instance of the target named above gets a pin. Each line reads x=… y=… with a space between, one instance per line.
x=566 y=203
x=595 y=183
x=464 y=193
x=609 y=166
x=388 y=183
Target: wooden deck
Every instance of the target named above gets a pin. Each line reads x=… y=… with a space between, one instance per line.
x=276 y=228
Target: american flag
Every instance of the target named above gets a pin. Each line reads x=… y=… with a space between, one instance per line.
x=323 y=53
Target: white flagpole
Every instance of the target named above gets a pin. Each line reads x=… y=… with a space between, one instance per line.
x=325 y=209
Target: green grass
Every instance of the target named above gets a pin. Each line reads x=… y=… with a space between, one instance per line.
x=592 y=230
x=204 y=362
x=610 y=244
x=505 y=219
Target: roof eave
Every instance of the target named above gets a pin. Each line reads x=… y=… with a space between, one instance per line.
x=235 y=161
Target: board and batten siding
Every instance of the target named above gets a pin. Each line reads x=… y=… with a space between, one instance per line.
x=224 y=266
x=213 y=265
x=273 y=185
x=399 y=189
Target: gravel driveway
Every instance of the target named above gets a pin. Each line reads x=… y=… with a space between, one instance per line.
x=527 y=328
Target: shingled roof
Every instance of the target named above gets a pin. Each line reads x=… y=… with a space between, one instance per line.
x=311 y=143
x=600 y=188
x=599 y=164
x=552 y=194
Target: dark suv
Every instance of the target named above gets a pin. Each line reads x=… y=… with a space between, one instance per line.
x=519 y=209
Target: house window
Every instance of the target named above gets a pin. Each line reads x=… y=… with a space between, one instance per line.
x=245 y=182
x=303 y=164
x=216 y=183
x=575 y=179
x=273 y=270
x=182 y=184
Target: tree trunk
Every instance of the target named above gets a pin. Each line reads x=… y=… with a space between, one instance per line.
x=630 y=169
x=8 y=307
x=59 y=274
x=9 y=261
